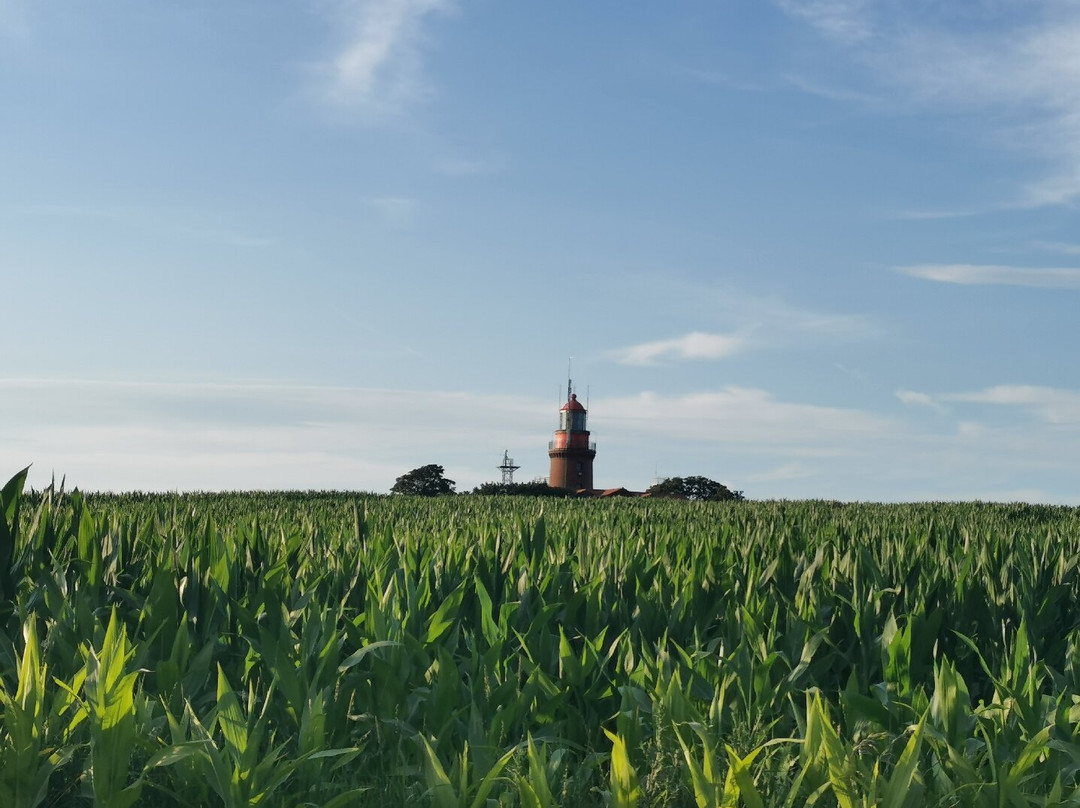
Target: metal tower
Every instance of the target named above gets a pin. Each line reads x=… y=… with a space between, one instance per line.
x=508 y=468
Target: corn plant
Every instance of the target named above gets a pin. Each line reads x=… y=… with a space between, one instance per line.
x=334 y=648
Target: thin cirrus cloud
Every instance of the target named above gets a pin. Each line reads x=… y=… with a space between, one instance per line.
x=378 y=69
x=759 y=322
x=1012 y=68
x=1051 y=405
x=744 y=416
x=1058 y=247
x=844 y=20
x=695 y=345
x=992 y=275
x=914 y=399
x=183 y=436
x=108 y=435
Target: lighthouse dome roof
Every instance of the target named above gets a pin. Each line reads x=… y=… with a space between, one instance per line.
x=573 y=405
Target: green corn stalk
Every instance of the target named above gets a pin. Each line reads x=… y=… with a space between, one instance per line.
x=27 y=759
x=705 y=776
x=10 y=498
x=826 y=757
x=238 y=761
x=625 y=790
x=904 y=788
x=468 y=792
x=491 y=631
x=710 y=791
x=534 y=790
x=110 y=700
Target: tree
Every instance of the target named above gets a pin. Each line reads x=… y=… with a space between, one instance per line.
x=695 y=488
x=426 y=481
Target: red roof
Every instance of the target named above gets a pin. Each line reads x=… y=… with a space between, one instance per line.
x=573 y=405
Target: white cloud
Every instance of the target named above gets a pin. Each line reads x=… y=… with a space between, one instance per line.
x=1055 y=406
x=844 y=20
x=1059 y=247
x=163 y=436
x=758 y=322
x=156 y=436
x=829 y=92
x=1017 y=66
x=970 y=430
x=160 y=436
x=911 y=398
x=933 y=215
x=978 y=274
x=378 y=69
x=776 y=321
x=696 y=345
x=741 y=415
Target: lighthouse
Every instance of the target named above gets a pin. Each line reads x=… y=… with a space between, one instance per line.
x=571 y=452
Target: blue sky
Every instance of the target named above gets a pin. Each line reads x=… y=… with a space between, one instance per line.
x=818 y=248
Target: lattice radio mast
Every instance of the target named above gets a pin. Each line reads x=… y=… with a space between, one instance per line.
x=508 y=468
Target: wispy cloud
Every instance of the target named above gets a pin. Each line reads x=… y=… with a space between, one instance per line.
x=1058 y=247
x=731 y=322
x=782 y=83
x=829 y=92
x=201 y=436
x=934 y=215
x=742 y=415
x=188 y=436
x=775 y=320
x=914 y=399
x=696 y=345
x=1051 y=405
x=775 y=447
x=845 y=20
x=1055 y=406
x=1016 y=66
x=981 y=274
x=378 y=69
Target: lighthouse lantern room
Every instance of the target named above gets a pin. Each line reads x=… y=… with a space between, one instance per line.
x=571 y=451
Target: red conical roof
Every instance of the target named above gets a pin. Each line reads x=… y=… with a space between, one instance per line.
x=573 y=405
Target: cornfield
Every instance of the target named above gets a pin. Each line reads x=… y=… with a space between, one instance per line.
x=334 y=649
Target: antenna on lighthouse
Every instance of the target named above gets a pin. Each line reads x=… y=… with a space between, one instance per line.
x=508 y=468
x=569 y=381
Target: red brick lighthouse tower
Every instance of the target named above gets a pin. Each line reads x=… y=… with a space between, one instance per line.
x=571 y=452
